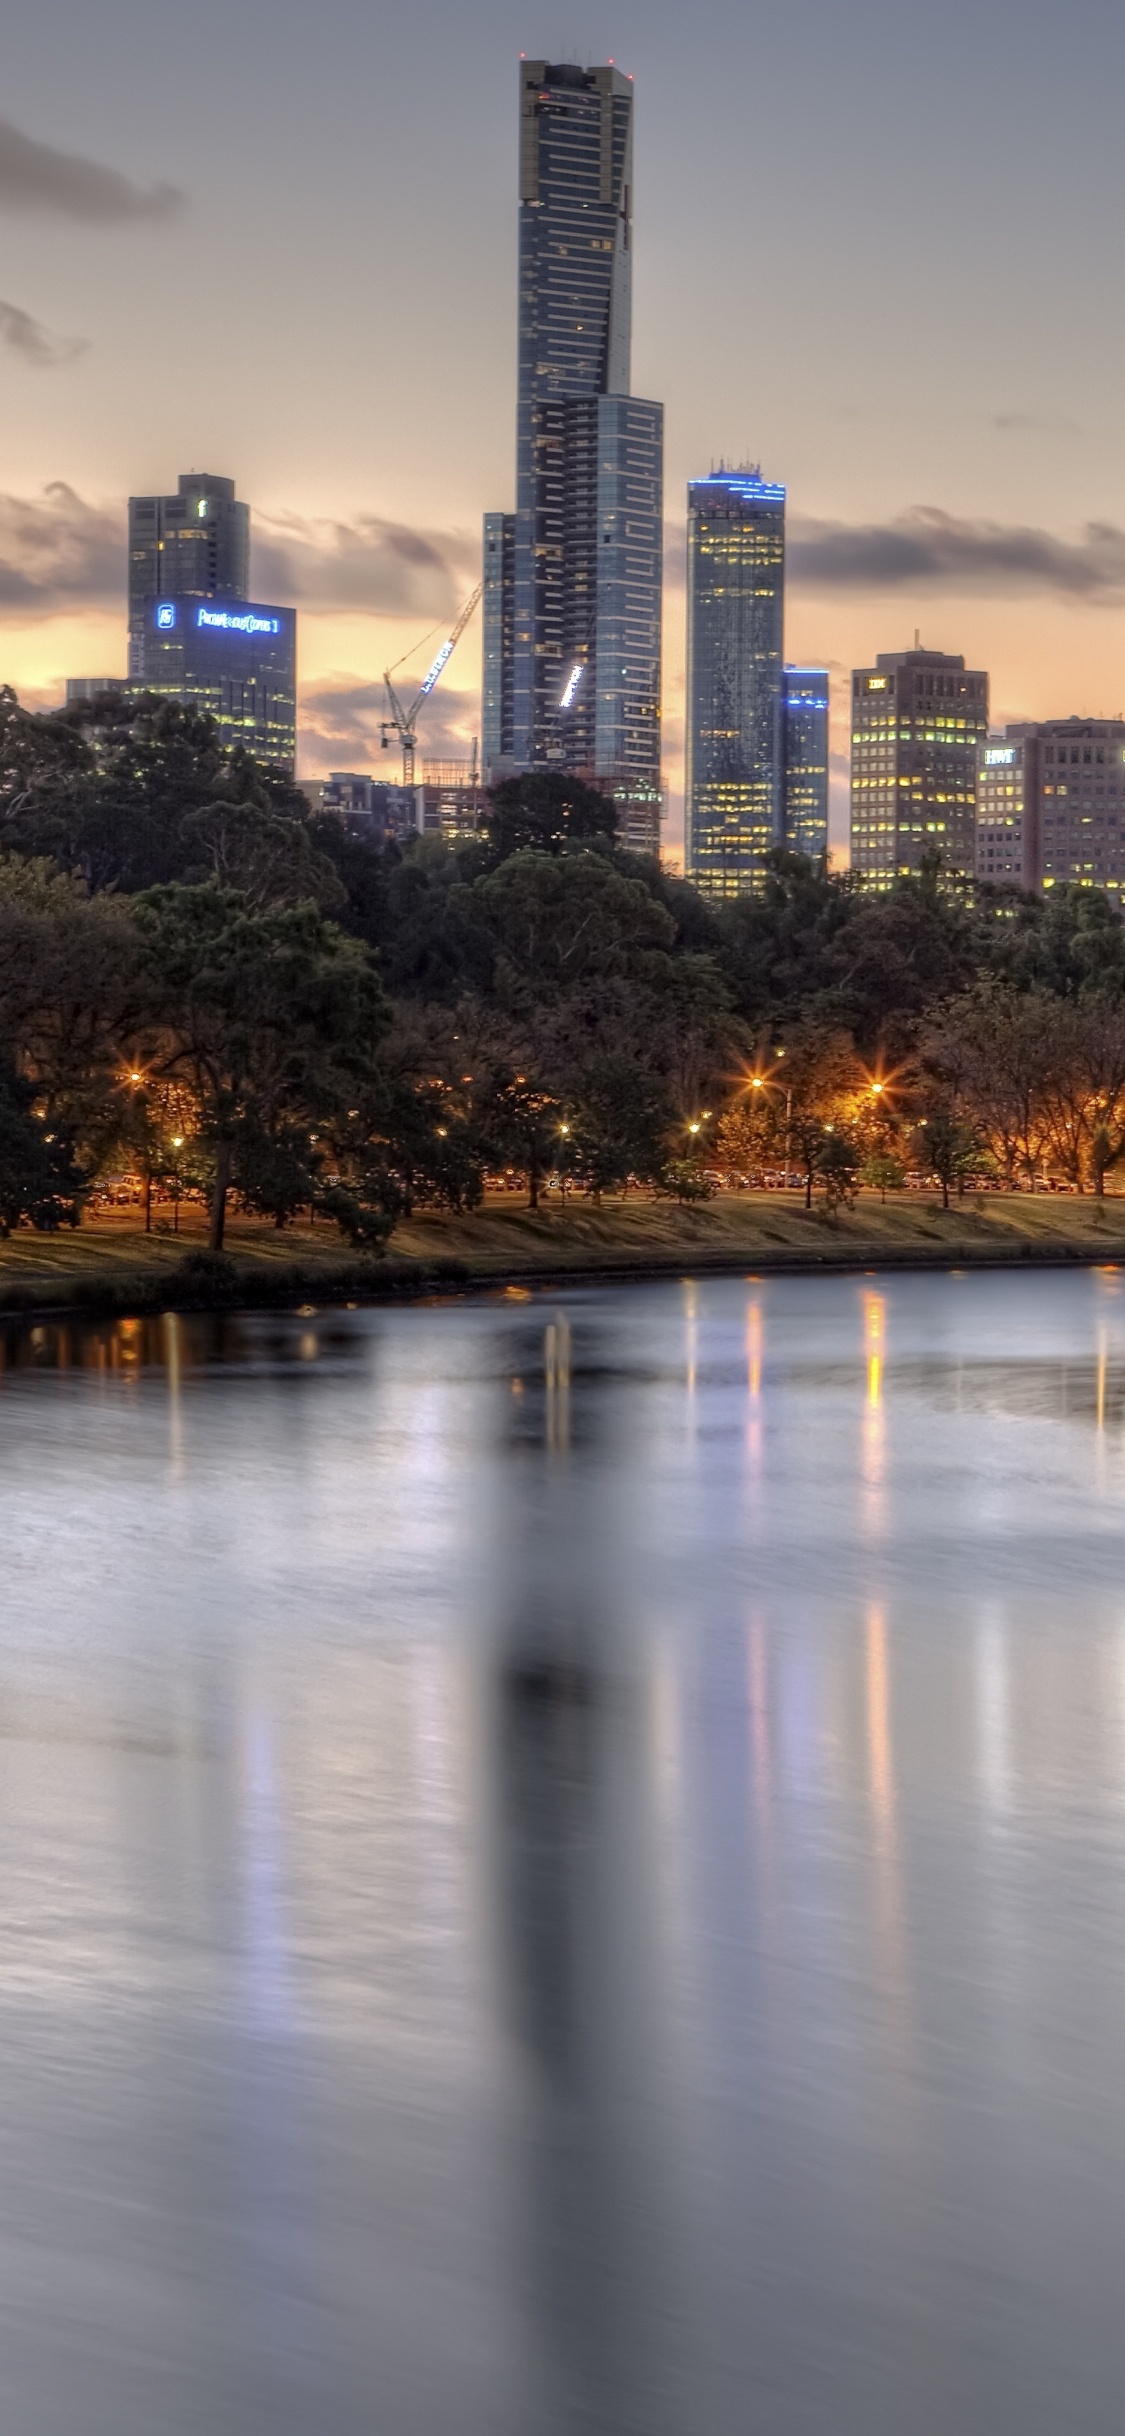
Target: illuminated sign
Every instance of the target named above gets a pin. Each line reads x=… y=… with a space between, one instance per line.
x=165 y=615
x=246 y=621
x=876 y=685
x=999 y=756
x=571 y=687
x=428 y=683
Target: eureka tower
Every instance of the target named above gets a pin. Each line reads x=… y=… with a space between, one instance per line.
x=572 y=597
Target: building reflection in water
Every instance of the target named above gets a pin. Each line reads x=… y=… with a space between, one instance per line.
x=573 y=1844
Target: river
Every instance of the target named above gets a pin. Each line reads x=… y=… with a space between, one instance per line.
x=562 y=1865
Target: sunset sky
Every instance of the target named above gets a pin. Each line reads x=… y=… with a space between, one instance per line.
x=877 y=249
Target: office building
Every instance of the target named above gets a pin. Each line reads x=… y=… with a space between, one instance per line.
x=918 y=718
x=1008 y=809
x=195 y=544
x=734 y=773
x=367 y=806
x=235 y=659
x=89 y=689
x=1080 y=803
x=573 y=579
x=450 y=802
x=805 y=715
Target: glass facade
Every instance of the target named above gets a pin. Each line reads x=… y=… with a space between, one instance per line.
x=806 y=761
x=573 y=579
x=918 y=718
x=195 y=543
x=734 y=793
x=234 y=658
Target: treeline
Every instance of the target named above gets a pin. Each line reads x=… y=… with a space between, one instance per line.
x=203 y=982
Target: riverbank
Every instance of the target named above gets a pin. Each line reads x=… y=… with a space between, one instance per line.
x=110 y=1266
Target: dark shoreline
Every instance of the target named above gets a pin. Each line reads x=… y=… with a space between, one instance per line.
x=229 y=1283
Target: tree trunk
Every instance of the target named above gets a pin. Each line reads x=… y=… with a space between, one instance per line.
x=148 y=1201
x=533 y=1188
x=945 y=1192
x=808 y=1188
x=219 y=1198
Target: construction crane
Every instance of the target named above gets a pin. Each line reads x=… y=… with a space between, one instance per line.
x=404 y=723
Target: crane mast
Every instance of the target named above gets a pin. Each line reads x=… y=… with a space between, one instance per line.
x=403 y=721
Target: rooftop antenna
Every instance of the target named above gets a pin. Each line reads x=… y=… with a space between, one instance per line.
x=917 y=638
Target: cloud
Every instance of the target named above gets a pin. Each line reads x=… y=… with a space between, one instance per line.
x=927 y=550
x=29 y=339
x=370 y=565
x=339 y=721
x=57 y=552
x=35 y=177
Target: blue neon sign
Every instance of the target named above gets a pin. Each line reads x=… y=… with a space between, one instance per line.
x=246 y=621
x=165 y=615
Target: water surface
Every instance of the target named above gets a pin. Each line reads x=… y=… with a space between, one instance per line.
x=562 y=1866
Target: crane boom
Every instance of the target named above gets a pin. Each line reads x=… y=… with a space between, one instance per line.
x=404 y=724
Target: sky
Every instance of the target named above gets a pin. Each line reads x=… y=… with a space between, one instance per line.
x=878 y=251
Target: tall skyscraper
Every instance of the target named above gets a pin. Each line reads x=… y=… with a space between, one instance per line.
x=918 y=718
x=195 y=544
x=805 y=712
x=734 y=779
x=573 y=580
x=194 y=633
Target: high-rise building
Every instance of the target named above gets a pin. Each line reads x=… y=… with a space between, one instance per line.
x=1008 y=809
x=235 y=659
x=805 y=712
x=573 y=580
x=1079 y=804
x=734 y=778
x=195 y=544
x=918 y=718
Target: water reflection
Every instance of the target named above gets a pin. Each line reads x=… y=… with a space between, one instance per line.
x=562 y=1865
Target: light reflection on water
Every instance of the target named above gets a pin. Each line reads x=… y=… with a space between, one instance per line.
x=564 y=1865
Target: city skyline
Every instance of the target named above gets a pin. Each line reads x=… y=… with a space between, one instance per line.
x=331 y=404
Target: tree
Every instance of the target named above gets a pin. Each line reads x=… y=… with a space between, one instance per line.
x=547 y=811
x=39 y=1178
x=274 y=1018
x=884 y=1172
x=949 y=1147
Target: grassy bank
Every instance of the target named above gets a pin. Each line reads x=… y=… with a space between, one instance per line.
x=111 y=1266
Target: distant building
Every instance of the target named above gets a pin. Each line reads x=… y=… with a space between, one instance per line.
x=918 y=718
x=233 y=658
x=367 y=806
x=1080 y=807
x=194 y=544
x=1008 y=809
x=89 y=689
x=450 y=802
x=734 y=790
x=573 y=580
x=805 y=714
x=1051 y=806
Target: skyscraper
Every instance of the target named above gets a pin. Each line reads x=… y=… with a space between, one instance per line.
x=805 y=710
x=917 y=720
x=235 y=659
x=734 y=790
x=573 y=579
x=195 y=543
